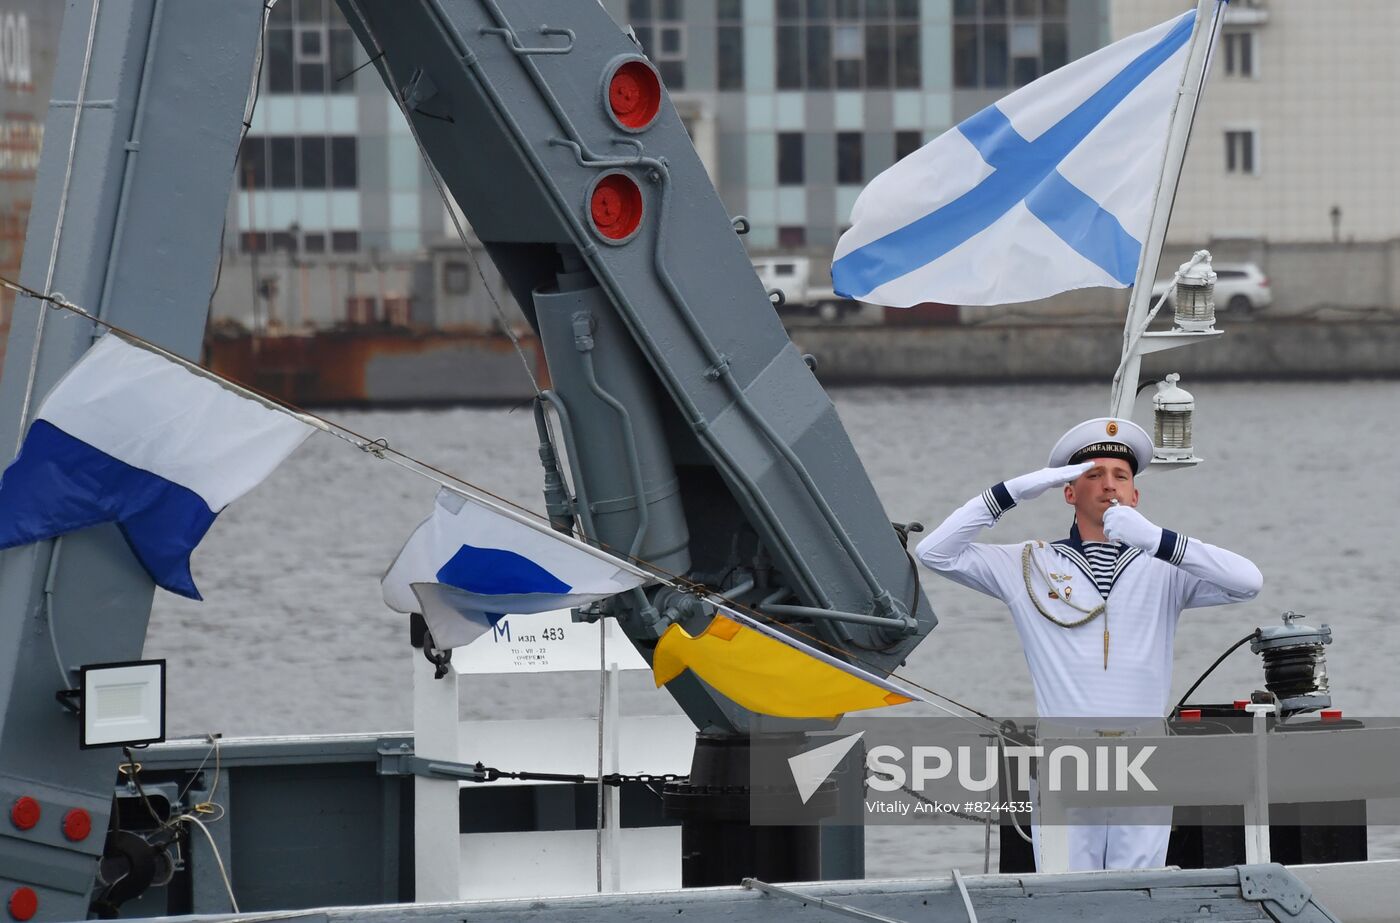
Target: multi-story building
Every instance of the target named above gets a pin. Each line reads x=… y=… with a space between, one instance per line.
x=1295 y=136
x=793 y=105
x=797 y=104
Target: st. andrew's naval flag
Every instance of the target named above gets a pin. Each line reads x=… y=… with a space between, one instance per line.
x=469 y=563
x=1047 y=190
x=130 y=437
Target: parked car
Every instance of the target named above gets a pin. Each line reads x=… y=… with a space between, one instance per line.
x=793 y=276
x=1240 y=289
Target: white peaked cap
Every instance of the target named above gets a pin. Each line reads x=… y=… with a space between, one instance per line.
x=1104 y=437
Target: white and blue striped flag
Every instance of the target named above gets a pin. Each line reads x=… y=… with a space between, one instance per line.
x=1047 y=190
x=471 y=562
x=130 y=437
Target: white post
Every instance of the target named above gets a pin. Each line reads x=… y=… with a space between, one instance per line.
x=612 y=820
x=1256 y=811
x=437 y=834
x=1125 y=389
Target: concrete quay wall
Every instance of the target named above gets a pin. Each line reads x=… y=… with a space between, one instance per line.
x=1276 y=349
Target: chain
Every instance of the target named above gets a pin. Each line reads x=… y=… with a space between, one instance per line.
x=491 y=774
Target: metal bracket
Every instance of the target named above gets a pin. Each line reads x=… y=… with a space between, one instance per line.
x=400 y=760
x=719 y=369
x=1272 y=883
x=1157 y=340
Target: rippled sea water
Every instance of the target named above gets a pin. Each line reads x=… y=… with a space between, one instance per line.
x=294 y=638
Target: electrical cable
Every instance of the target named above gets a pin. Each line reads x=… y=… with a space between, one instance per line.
x=223 y=872
x=247 y=126
x=132 y=770
x=78 y=106
x=1211 y=669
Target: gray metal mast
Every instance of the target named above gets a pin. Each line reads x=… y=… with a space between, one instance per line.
x=128 y=209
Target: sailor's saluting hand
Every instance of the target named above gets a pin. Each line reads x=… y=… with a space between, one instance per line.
x=1125 y=524
x=1030 y=486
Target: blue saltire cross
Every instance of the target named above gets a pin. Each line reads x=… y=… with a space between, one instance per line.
x=1022 y=171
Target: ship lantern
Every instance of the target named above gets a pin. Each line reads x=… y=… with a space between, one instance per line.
x=1195 y=296
x=1295 y=666
x=1172 y=407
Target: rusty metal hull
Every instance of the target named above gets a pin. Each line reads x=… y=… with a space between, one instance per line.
x=379 y=368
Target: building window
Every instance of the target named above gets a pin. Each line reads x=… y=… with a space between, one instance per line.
x=253 y=241
x=313 y=163
x=1002 y=43
x=791 y=159
x=456 y=278
x=1240 y=152
x=792 y=237
x=288 y=162
x=660 y=28
x=345 y=170
x=906 y=143
x=848 y=44
x=252 y=163
x=309 y=49
x=1239 y=54
x=729 y=47
x=282 y=162
x=850 y=161
x=345 y=241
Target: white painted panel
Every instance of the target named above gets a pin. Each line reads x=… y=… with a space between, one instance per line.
x=560 y=862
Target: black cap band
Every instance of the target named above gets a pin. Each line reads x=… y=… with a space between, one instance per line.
x=1105 y=450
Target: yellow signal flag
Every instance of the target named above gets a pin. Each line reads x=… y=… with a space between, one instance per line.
x=769 y=672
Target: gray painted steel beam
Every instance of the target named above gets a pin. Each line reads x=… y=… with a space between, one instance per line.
x=143 y=207
x=510 y=101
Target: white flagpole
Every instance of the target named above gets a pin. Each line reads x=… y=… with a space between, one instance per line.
x=1187 y=98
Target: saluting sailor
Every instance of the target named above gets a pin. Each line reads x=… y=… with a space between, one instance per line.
x=1096 y=611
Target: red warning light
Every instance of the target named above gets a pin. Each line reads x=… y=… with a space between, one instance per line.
x=1331 y=714
x=24 y=813
x=77 y=824
x=634 y=95
x=24 y=903
x=616 y=206
x=1190 y=714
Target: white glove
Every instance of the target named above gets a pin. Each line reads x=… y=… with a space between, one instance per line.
x=1125 y=524
x=1030 y=486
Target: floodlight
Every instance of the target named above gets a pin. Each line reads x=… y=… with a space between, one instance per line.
x=122 y=704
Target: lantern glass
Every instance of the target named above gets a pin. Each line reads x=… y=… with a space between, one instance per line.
x=1195 y=305
x=1173 y=429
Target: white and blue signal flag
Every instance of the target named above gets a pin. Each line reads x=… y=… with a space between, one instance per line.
x=1047 y=190
x=127 y=436
x=471 y=562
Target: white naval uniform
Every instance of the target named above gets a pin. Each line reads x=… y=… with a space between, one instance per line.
x=1067 y=664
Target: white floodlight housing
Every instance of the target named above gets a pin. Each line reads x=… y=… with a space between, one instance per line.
x=122 y=704
x=1194 y=303
x=1172 y=407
